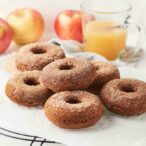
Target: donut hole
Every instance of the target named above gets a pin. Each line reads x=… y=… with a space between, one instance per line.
x=128 y=89
x=97 y=67
x=73 y=100
x=31 y=82
x=66 y=66
x=38 y=50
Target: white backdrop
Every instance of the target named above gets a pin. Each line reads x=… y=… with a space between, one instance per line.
x=50 y=8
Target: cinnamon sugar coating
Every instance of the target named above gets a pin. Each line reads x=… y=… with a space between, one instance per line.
x=125 y=96
x=74 y=109
x=26 y=89
x=36 y=56
x=68 y=74
x=104 y=73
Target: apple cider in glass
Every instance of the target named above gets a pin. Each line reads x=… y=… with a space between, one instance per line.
x=106 y=26
x=104 y=37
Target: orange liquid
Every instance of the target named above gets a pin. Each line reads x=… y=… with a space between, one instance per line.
x=105 y=38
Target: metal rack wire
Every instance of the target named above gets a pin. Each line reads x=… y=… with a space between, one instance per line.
x=24 y=137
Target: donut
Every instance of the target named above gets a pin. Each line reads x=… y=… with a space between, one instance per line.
x=104 y=73
x=26 y=89
x=68 y=74
x=93 y=89
x=124 y=96
x=36 y=56
x=74 y=109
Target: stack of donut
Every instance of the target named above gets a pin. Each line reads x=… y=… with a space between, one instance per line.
x=72 y=90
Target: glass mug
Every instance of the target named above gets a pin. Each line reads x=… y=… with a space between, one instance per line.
x=105 y=26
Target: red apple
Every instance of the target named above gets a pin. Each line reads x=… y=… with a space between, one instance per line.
x=5 y=35
x=27 y=25
x=68 y=25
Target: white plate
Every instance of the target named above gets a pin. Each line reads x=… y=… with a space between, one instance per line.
x=111 y=130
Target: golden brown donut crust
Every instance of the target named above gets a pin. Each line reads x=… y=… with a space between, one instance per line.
x=36 y=56
x=26 y=89
x=125 y=96
x=104 y=73
x=68 y=74
x=74 y=109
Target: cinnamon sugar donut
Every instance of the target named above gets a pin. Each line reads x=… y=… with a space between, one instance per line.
x=74 y=109
x=125 y=96
x=36 y=56
x=104 y=73
x=68 y=74
x=26 y=89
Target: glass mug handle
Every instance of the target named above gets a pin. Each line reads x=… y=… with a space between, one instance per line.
x=132 y=53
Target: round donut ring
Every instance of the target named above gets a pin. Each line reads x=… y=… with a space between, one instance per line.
x=26 y=89
x=125 y=96
x=36 y=56
x=74 y=109
x=68 y=74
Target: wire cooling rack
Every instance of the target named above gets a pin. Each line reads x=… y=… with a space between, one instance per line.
x=24 y=137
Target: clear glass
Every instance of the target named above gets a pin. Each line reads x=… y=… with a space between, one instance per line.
x=105 y=26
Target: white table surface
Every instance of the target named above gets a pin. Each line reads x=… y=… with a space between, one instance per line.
x=49 y=9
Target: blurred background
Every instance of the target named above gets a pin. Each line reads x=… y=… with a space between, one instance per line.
x=50 y=8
